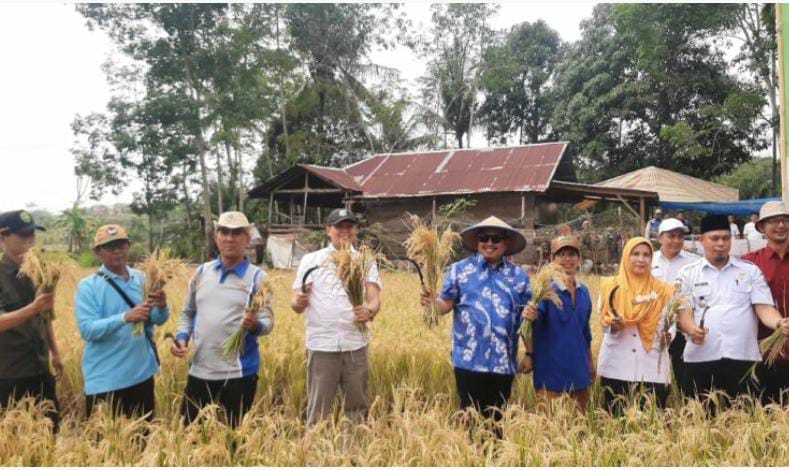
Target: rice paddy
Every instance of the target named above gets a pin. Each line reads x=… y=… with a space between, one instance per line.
x=413 y=419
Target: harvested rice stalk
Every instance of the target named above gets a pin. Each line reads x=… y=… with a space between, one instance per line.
x=677 y=303
x=543 y=290
x=257 y=302
x=159 y=268
x=431 y=253
x=773 y=346
x=45 y=270
x=352 y=268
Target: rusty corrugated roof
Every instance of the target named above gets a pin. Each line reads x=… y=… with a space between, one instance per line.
x=507 y=169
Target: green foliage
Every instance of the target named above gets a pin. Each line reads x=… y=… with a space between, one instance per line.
x=456 y=208
x=753 y=179
x=86 y=259
x=649 y=85
x=517 y=83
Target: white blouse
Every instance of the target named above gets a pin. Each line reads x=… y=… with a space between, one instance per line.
x=622 y=356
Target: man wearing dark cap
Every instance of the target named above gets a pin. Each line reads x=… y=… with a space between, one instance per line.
x=773 y=221
x=27 y=341
x=337 y=352
x=724 y=293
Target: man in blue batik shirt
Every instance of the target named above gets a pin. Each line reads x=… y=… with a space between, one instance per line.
x=488 y=294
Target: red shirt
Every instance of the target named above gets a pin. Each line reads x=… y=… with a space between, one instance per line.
x=776 y=271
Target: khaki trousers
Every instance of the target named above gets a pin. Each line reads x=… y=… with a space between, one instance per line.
x=328 y=371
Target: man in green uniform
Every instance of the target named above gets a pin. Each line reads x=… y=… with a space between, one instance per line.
x=27 y=342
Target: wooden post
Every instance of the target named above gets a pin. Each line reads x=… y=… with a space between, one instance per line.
x=291 y=209
x=270 y=208
x=523 y=208
x=780 y=24
x=434 y=210
x=306 y=192
x=642 y=210
x=318 y=208
x=347 y=201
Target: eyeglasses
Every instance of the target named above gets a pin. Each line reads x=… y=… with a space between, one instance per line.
x=233 y=232
x=484 y=238
x=777 y=220
x=115 y=245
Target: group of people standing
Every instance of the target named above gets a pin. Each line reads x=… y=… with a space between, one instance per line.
x=728 y=304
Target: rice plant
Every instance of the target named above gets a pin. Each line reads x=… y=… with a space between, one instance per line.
x=260 y=300
x=542 y=289
x=159 y=268
x=45 y=271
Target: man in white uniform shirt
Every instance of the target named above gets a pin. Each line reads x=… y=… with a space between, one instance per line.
x=749 y=231
x=729 y=298
x=666 y=265
x=337 y=354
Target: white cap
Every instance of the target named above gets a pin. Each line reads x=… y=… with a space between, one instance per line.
x=671 y=224
x=233 y=220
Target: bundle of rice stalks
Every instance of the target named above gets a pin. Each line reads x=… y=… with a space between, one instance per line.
x=431 y=253
x=542 y=290
x=352 y=269
x=260 y=300
x=773 y=346
x=45 y=270
x=677 y=303
x=159 y=268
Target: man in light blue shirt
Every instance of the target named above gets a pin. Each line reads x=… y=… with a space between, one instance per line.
x=118 y=366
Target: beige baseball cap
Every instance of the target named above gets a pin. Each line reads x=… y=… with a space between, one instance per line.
x=233 y=220
x=109 y=233
x=563 y=241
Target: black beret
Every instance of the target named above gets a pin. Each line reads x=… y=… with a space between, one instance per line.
x=712 y=222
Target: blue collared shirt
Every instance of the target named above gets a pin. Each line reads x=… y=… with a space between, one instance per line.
x=488 y=312
x=561 y=339
x=114 y=358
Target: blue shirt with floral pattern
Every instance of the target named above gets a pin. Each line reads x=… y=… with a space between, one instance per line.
x=488 y=313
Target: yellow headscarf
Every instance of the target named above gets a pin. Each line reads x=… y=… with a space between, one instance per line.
x=646 y=314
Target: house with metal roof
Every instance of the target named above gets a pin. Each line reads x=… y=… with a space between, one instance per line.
x=509 y=182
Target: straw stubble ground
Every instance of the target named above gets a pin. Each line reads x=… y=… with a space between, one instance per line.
x=412 y=419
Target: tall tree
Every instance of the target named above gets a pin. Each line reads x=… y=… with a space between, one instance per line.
x=454 y=47
x=517 y=84
x=649 y=85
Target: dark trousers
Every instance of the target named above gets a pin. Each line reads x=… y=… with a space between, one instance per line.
x=616 y=392
x=135 y=400
x=678 y=366
x=234 y=396
x=726 y=375
x=486 y=392
x=40 y=387
x=773 y=383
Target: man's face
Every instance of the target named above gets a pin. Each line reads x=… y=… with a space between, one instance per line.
x=658 y=215
x=717 y=244
x=731 y=219
x=776 y=228
x=491 y=244
x=754 y=218
x=114 y=255
x=671 y=242
x=16 y=245
x=681 y=216
x=232 y=242
x=342 y=233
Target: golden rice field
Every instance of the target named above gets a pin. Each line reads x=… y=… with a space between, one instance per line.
x=413 y=419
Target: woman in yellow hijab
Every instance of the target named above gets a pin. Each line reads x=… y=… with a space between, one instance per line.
x=632 y=309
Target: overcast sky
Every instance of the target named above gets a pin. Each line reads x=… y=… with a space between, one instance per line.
x=51 y=68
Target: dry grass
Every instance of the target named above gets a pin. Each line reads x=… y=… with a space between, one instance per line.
x=46 y=270
x=412 y=419
x=159 y=269
x=542 y=289
x=433 y=253
x=235 y=344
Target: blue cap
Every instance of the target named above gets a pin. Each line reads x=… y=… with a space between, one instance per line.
x=18 y=222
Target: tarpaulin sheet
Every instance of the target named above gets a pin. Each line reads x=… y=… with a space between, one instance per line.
x=741 y=208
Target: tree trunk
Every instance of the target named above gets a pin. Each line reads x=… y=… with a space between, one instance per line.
x=219 y=198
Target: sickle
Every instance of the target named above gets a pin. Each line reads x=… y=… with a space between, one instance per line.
x=418 y=271
x=703 y=313
x=170 y=335
x=304 y=279
x=611 y=302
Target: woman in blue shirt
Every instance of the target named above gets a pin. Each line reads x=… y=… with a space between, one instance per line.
x=560 y=348
x=487 y=294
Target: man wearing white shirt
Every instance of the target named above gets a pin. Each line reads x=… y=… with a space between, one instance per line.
x=749 y=231
x=666 y=265
x=337 y=355
x=729 y=298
